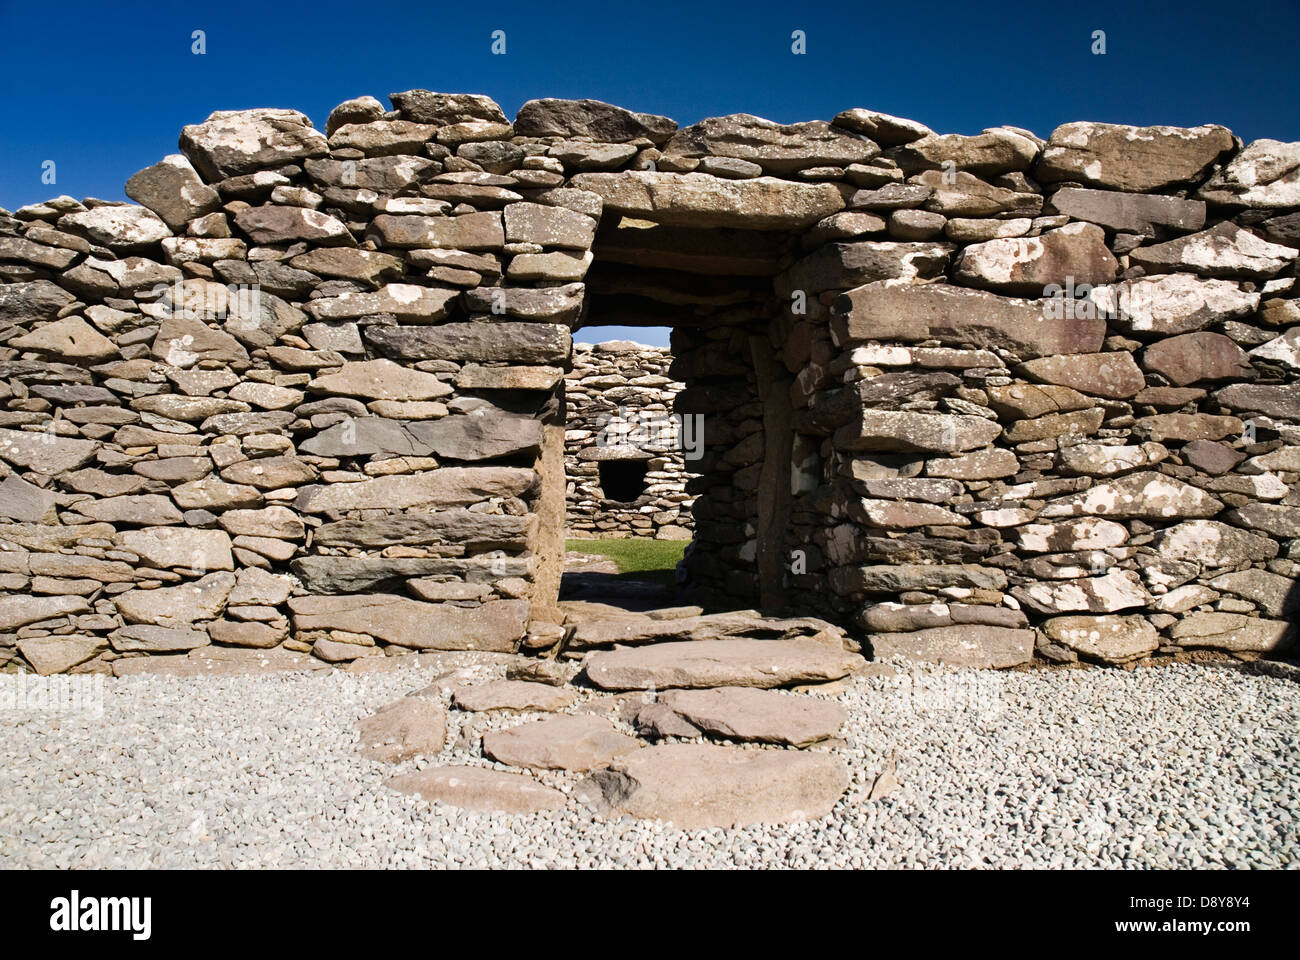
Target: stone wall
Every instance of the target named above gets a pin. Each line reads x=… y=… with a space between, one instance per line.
x=970 y=395
x=619 y=402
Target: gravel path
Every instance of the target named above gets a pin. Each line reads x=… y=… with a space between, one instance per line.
x=1182 y=766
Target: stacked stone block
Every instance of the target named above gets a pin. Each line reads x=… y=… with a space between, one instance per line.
x=620 y=403
x=975 y=396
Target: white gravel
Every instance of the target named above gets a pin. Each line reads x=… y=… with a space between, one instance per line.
x=1181 y=766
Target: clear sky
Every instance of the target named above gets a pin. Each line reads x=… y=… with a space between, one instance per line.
x=103 y=89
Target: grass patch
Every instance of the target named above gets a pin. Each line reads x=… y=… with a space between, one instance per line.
x=638 y=558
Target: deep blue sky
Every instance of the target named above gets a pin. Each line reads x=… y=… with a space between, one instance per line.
x=103 y=89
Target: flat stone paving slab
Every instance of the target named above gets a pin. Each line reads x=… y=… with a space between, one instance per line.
x=477 y=788
x=720 y=663
x=580 y=743
x=518 y=695
x=410 y=727
x=696 y=785
x=766 y=716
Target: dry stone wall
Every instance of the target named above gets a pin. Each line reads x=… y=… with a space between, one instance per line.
x=980 y=398
x=624 y=450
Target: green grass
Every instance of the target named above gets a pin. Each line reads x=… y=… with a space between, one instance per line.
x=637 y=556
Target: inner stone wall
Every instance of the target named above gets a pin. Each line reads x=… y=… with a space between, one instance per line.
x=619 y=401
x=980 y=398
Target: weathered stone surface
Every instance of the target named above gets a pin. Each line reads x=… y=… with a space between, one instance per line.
x=1029 y=265
x=1275 y=595
x=185 y=341
x=275 y=224
x=1197 y=357
x=445 y=487
x=1117 y=590
x=1232 y=631
x=32 y=302
x=443 y=109
x=1145 y=496
x=234 y=142
x=180 y=547
x=1225 y=250
x=549 y=226
x=602 y=122
x=639 y=630
x=1104 y=459
x=369 y=266
x=512 y=695
x=477 y=788
x=484 y=434
x=1086 y=533
x=968 y=645
x=50 y=655
x=147 y=509
x=473 y=231
x=172 y=189
x=1109 y=639
x=839 y=265
x=45 y=453
x=700 y=200
x=1173 y=303
x=1186 y=426
x=896 y=578
x=1130 y=212
x=20 y=500
x=894 y=310
x=713 y=663
x=1275 y=519
x=986 y=154
x=544 y=343
x=380 y=380
x=903 y=430
x=474 y=530
x=409 y=727
x=1265 y=175
x=17 y=611
x=1113 y=374
x=777 y=148
x=201 y=599
x=694 y=786
x=1282 y=401
x=496 y=625
x=884 y=129
x=560 y=743
x=124 y=228
x=1134 y=159
x=765 y=716
x=151 y=638
x=402 y=300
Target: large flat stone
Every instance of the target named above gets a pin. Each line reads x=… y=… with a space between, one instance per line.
x=409 y=727
x=477 y=788
x=1233 y=631
x=777 y=148
x=1130 y=212
x=1134 y=159
x=508 y=342
x=1173 y=303
x=444 y=487
x=907 y=431
x=764 y=716
x=560 y=743
x=497 y=625
x=380 y=380
x=701 y=200
x=50 y=655
x=910 y=312
x=18 y=611
x=1109 y=639
x=714 y=663
x=633 y=631
x=467 y=528
x=483 y=434
x=1225 y=250
x=1143 y=496
x=45 y=453
x=201 y=599
x=234 y=142
x=695 y=786
x=965 y=645
x=1029 y=265
x=512 y=695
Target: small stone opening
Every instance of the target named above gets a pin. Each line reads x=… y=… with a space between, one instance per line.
x=623 y=481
